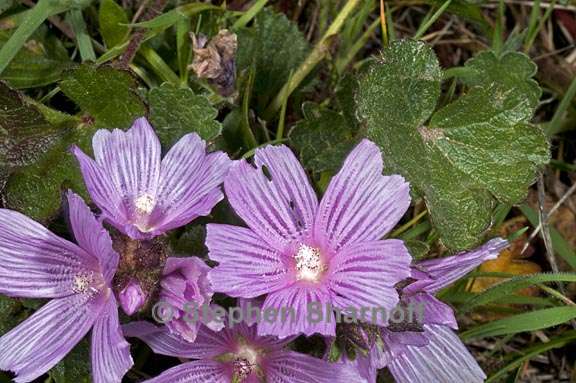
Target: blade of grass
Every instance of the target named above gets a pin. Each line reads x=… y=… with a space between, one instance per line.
x=76 y=21
x=37 y=15
x=159 y=65
x=507 y=287
x=183 y=47
x=529 y=353
x=431 y=20
x=318 y=53
x=529 y=321
x=249 y=14
x=555 y=125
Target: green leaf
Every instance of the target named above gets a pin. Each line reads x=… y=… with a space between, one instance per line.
x=24 y=132
x=107 y=94
x=75 y=367
x=530 y=321
x=112 y=19
x=36 y=190
x=508 y=287
x=175 y=112
x=476 y=149
x=41 y=61
x=323 y=139
x=261 y=45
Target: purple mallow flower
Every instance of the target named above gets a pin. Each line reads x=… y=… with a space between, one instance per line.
x=143 y=195
x=433 y=353
x=34 y=263
x=299 y=251
x=235 y=355
x=184 y=284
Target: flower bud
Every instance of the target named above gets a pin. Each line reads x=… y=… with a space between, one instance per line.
x=132 y=297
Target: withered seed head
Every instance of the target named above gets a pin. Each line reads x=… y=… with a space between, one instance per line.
x=215 y=60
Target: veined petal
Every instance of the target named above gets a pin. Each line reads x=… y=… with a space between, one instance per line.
x=301 y=309
x=435 y=311
x=91 y=236
x=444 y=359
x=291 y=180
x=443 y=272
x=360 y=203
x=110 y=354
x=208 y=343
x=205 y=371
x=34 y=262
x=293 y=367
x=41 y=341
x=130 y=162
x=101 y=188
x=248 y=267
x=189 y=182
x=364 y=275
x=273 y=197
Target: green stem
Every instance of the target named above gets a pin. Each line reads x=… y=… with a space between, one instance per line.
x=317 y=55
x=359 y=44
x=408 y=224
x=41 y=11
x=159 y=65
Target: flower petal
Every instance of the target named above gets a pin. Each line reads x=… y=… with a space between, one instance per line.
x=443 y=272
x=360 y=203
x=130 y=162
x=293 y=367
x=205 y=371
x=248 y=266
x=208 y=343
x=91 y=236
x=300 y=309
x=273 y=197
x=110 y=354
x=189 y=182
x=41 y=341
x=34 y=262
x=364 y=275
x=444 y=359
x=435 y=311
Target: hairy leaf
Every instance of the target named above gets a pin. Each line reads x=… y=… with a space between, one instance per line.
x=263 y=46
x=476 y=149
x=24 y=132
x=107 y=94
x=175 y=112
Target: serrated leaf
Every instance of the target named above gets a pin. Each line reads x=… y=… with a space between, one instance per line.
x=107 y=94
x=477 y=148
x=75 y=367
x=175 y=112
x=323 y=139
x=24 y=132
x=113 y=23
x=261 y=46
x=36 y=190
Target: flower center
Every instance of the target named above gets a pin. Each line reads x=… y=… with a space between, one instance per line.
x=88 y=283
x=244 y=363
x=309 y=266
x=145 y=204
